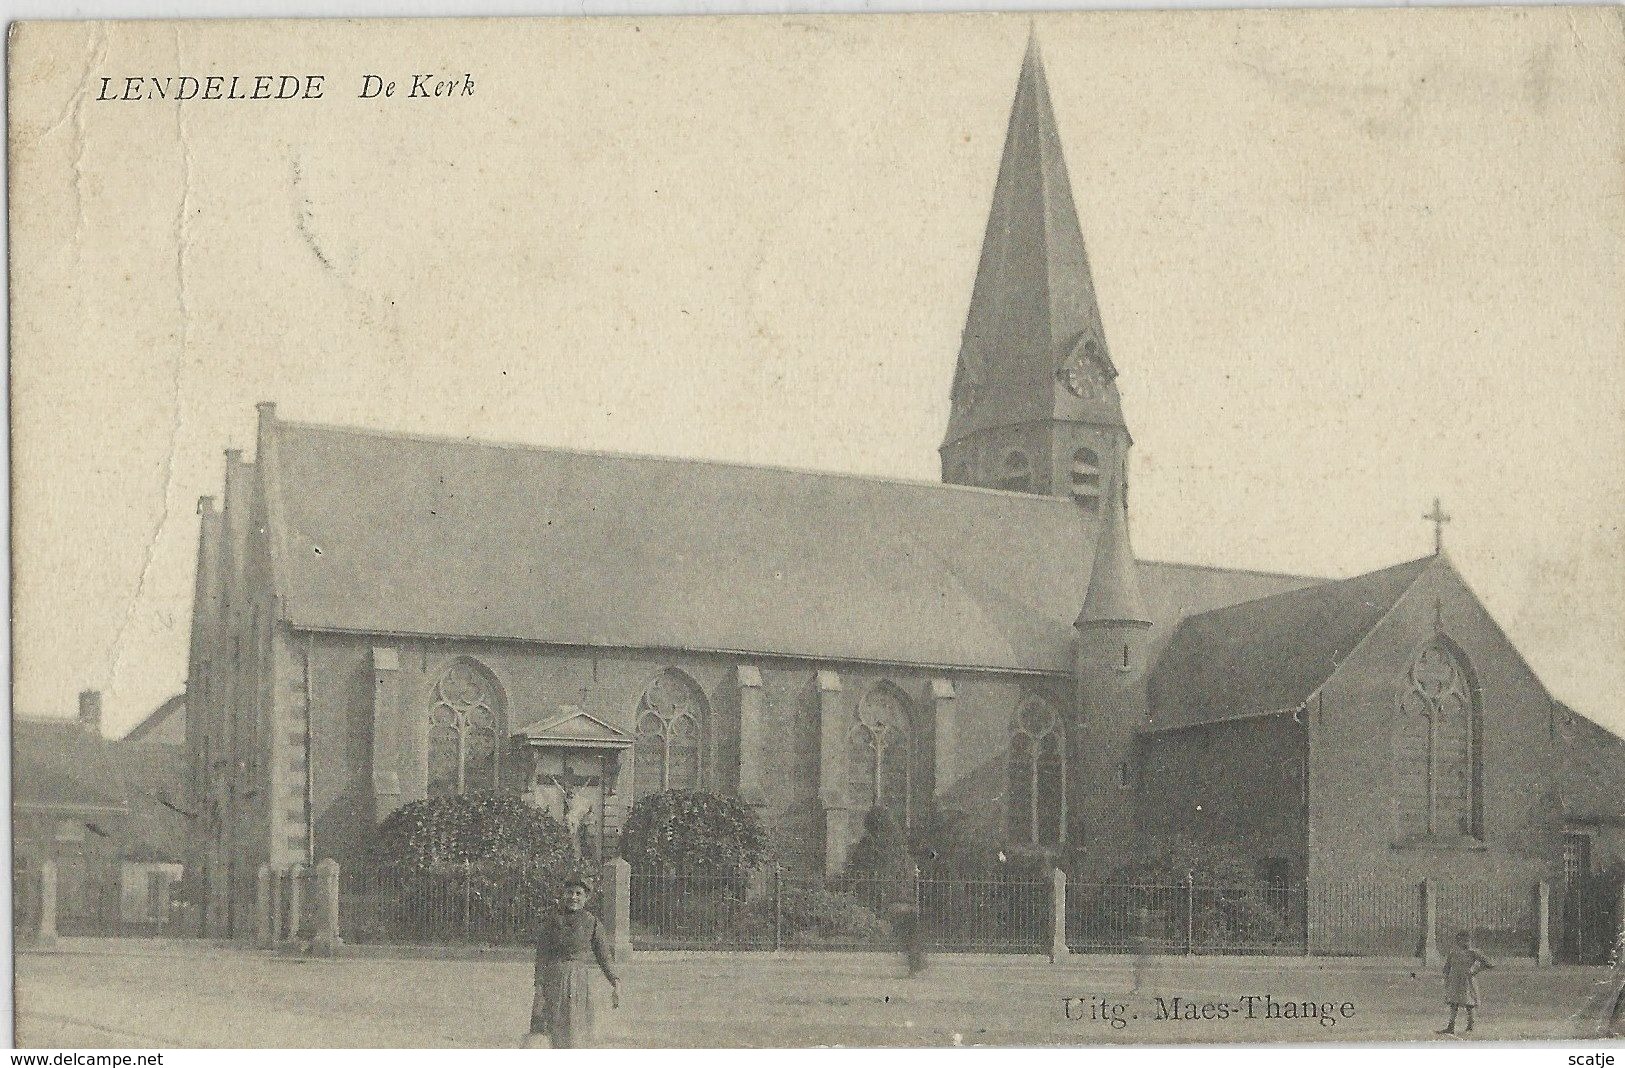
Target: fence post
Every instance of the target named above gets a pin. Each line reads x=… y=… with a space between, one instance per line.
x=616 y=879
x=324 y=940
x=274 y=928
x=1430 y=924
x=778 y=908
x=296 y=901
x=1543 y=921
x=1619 y=928
x=1190 y=913
x=45 y=935
x=1302 y=912
x=1057 y=920
x=467 y=900
x=262 y=908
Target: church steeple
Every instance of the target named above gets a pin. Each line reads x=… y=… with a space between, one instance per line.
x=1035 y=379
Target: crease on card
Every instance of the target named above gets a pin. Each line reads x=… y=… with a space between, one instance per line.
x=183 y=239
x=73 y=112
x=302 y=218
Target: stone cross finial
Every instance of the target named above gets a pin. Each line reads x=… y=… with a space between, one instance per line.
x=1438 y=518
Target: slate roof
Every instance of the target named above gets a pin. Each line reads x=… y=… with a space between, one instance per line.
x=1593 y=770
x=389 y=534
x=57 y=767
x=1271 y=654
x=165 y=724
x=1033 y=304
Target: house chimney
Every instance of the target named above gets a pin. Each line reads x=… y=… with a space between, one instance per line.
x=90 y=712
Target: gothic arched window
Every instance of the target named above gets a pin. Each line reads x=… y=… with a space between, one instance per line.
x=1440 y=769
x=880 y=754
x=1018 y=472
x=670 y=736
x=1038 y=774
x=1086 y=478
x=465 y=725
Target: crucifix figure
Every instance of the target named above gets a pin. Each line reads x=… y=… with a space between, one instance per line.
x=1438 y=518
x=569 y=797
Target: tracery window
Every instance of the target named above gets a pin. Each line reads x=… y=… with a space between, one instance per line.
x=464 y=725
x=670 y=732
x=880 y=754
x=1440 y=767
x=1038 y=774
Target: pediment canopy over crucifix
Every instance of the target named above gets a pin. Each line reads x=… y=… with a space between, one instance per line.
x=573 y=728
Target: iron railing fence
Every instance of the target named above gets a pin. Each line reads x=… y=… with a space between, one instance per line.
x=455 y=904
x=1184 y=918
x=1365 y=919
x=1500 y=917
x=799 y=911
x=767 y=910
x=705 y=911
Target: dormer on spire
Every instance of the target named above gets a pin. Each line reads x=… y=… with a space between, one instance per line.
x=1034 y=388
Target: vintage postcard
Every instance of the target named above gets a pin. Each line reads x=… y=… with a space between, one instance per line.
x=921 y=530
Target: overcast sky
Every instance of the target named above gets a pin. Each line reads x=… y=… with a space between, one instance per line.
x=1347 y=262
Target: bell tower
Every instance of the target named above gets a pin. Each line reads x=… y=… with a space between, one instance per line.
x=1035 y=403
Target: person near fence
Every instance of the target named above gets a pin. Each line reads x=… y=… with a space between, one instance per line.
x=1142 y=948
x=570 y=940
x=1461 y=970
x=904 y=909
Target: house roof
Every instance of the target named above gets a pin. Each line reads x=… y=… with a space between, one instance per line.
x=154 y=784
x=166 y=723
x=390 y=534
x=58 y=767
x=1593 y=769
x=1269 y=655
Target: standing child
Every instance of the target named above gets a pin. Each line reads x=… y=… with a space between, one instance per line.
x=568 y=941
x=1461 y=969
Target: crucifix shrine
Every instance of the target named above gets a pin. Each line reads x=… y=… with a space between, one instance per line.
x=575 y=764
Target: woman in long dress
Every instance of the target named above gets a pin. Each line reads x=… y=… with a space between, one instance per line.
x=570 y=940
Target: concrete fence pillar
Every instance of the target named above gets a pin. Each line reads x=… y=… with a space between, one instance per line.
x=1430 y=924
x=296 y=902
x=615 y=880
x=1057 y=901
x=324 y=940
x=1543 y=923
x=45 y=935
x=262 y=907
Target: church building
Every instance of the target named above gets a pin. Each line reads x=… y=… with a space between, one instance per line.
x=382 y=617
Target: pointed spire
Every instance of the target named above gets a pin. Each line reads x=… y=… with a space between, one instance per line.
x=1114 y=597
x=1034 y=347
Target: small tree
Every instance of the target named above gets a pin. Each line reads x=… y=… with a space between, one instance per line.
x=488 y=829
x=692 y=831
x=486 y=858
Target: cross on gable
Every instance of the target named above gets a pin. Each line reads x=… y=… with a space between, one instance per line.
x=1438 y=518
